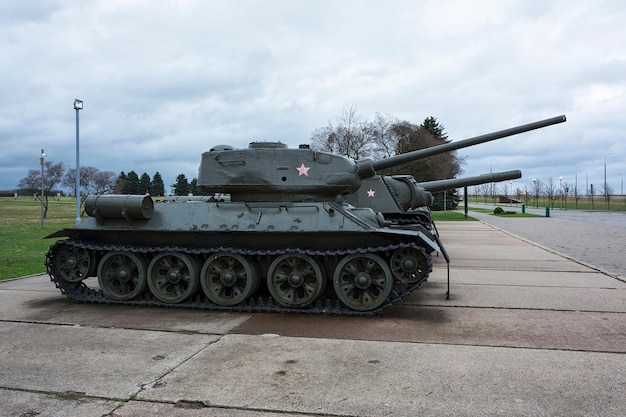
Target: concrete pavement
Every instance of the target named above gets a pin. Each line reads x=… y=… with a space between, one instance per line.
x=525 y=332
x=592 y=237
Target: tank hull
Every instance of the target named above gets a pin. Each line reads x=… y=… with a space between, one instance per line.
x=319 y=257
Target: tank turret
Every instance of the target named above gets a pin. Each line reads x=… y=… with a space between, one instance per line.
x=269 y=171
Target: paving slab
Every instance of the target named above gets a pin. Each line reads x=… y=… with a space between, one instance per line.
x=40 y=282
x=560 y=265
x=539 y=329
x=53 y=307
x=369 y=378
x=524 y=277
x=520 y=297
x=96 y=362
x=30 y=404
x=150 y=409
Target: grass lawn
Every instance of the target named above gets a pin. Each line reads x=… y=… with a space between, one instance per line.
x=22 y=247
x=451 y=216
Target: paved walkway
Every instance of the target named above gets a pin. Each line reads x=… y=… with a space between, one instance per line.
x=525 y=332
x=594 y=237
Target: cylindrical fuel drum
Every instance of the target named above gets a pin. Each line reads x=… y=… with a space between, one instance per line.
x=117 y=206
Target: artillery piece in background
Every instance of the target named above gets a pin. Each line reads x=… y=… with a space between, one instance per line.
x=286 y=233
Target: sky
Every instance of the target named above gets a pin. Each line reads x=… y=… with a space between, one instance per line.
x=164 y=81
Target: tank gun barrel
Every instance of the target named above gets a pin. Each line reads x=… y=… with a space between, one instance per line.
x=442 y=185
x=452 y=146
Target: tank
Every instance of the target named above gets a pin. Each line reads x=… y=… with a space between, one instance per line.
x=285 y=241
x=404 y=201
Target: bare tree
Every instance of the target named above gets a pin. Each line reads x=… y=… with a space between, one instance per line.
x=505 y=188
x=476 y=192
x=52 y=175
x=350 y=137
x=551 y=191
x=566 y=189
x=31 y=182
x=485 y=191
x=536 y=188
x=607 y=193
x=576 y=193
x=381 y=132
x=104 y=181
x=92 y=180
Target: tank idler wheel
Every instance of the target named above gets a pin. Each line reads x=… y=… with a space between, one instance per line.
x=173 y=277
x=74 y=264
x=122 y=275
x=228 y=279
x=409 y=265
x=362 y=281
x=295 y=280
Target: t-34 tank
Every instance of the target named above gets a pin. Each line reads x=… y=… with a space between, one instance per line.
x=404 y=201
x=286 y=241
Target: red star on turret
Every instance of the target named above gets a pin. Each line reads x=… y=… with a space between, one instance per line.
x=302 y=170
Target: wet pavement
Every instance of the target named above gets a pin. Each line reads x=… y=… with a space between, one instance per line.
x=526 y=331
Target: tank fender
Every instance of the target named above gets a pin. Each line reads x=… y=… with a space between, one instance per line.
x=429 y=242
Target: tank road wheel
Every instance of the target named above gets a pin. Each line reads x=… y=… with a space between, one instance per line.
x=295 y=280
x=362 y=281
x=173 y=277
x=228 y=279
x=409 y=265
x=74 y=264
x=122 y=275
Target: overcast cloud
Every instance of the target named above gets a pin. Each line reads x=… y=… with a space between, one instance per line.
x=163 y=81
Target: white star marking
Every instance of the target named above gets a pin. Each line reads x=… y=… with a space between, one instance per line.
x=302 y=170
x=370 y=193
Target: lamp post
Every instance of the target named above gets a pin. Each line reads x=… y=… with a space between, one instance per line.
x=606 y=193
x=41 y=160
x=561 y=189
x=78 y=105
x=536 y=192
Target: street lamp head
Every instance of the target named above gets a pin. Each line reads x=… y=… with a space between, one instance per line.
x=43 y=155
x=78 y=104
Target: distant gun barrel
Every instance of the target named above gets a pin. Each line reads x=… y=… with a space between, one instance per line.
x=452 y=146
x=442 y=185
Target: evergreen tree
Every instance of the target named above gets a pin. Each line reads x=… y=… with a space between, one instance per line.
x=158 y=187
x=120 y=183
x=132 y=184
x=434 y=128
x=145 y=184
x=193 y=187
x=181 y=186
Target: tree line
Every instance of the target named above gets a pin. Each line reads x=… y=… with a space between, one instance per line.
x=92 y=180
x=386 y=135
x=132 y=184
x=56 y=179
x=549 y=189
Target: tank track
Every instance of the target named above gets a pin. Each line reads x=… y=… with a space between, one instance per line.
x=78 y=291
